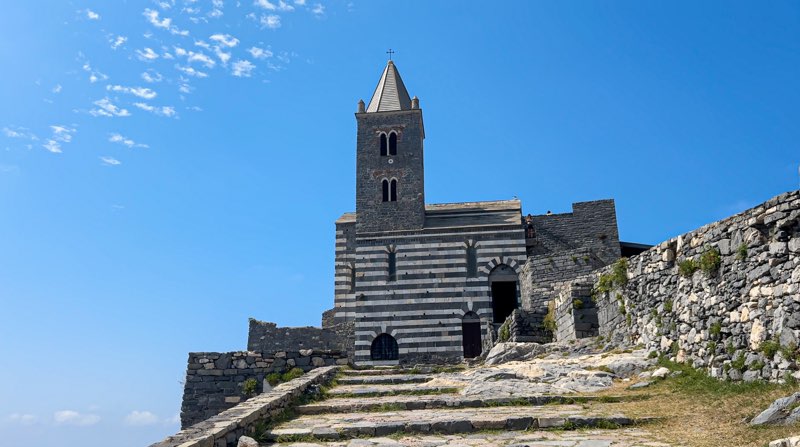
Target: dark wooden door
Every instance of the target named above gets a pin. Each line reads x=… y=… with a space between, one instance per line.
x=471 y=331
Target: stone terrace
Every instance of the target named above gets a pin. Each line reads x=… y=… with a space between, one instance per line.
x=398 y=408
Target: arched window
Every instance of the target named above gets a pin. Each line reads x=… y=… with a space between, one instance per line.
x=392 y=143
x=384 y=347
x=472 y=262
x=393 y=191
x=383 y=144
x=392 y=259
x=385 y=189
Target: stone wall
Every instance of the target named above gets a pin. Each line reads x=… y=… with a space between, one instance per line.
x=268 y=337
x=526 y=327
x=225 y=429
x=214 y=380
x=575 y=313
x=740 y=320
x=541 y=273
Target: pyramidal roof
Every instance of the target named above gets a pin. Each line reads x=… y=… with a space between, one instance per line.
x=390 y=94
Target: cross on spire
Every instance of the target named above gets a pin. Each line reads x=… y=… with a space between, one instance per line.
x=390 y=53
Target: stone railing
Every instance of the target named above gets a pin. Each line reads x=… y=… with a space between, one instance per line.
x=725 y=297
x=215 y=380
x=225 y=429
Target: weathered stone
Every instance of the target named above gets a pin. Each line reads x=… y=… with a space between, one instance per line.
x=246 y=441
x=660 y=373
x=778 y=411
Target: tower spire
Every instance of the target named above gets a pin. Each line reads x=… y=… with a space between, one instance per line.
x=390 y=94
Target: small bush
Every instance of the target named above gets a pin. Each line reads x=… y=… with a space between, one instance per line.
x=292 y=374
x=738 y=362
x=756 y=365
x=710 y=261
x=729 y=348
x=250 y=387
x=715 y=329
x=618 y=277
x=741 y=252
x=622 y=309
x=274 y=378
x=770 y=347
x=628 y=319
x=577 y=304
x=711 y=346
x=503 y=334
x=550 y=319
x=789 y=352
x=675 y=347
x=687 y=268
x=652 y=354
x=668 y=305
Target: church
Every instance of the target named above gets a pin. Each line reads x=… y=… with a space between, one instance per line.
x=432 y=283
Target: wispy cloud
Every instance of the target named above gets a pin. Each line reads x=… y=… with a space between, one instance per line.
x=117 y=41
x=94 y=75
x=117 y=138
x=110 y=161
x=140 y=418
x=266 y=4
x=318 y=9
x=19 y=132
x=192 y=56
x=147 y=55
x=242 y=68
x=283 y=6
x=152 y=76
x=142 y=92
x=259 y=53
x=57 y=88
x=106 y=108
x=225 y=39
x=191 y=71
x=71 y=417
x=154 y=18
x=62 y=133
x=300 y=2
x=19 y=418
x=271 y=21
x=91 y=15
x=167 y=111
x=52 y=146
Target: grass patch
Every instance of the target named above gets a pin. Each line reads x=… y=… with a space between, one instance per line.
x=686 y=268
x=710 y=261
x=550 y=319
x=741 y=252
x=617 y=277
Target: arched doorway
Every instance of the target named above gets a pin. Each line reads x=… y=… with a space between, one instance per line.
x=503 y=282
x=471 y=333
x=384 y=347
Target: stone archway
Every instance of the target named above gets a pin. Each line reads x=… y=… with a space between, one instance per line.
x=384 y=347
x=503 y=282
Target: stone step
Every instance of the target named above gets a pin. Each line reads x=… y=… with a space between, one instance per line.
x=373 y=372
x=365 y=391
x=384 y=379
x=353 y=425
x=422 y=402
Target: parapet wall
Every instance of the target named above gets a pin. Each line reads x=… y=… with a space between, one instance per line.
x=268 y=337
x=225 y=429
x=738 y=319
x=215 y=381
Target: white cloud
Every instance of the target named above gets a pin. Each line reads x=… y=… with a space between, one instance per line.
x=91 y=15
x=300 y=2
x=57 y=88
x=191 y=56
x=165 y=4
x=223 y=56
x=52 y=146
x=19 y=132
x=116 y=42
x=147 y=55
x=283 y=6
x=141 y=92
x=167 y=111
x=107 y=108
x=152 y=76
x=94 y=76
x=110 y=161
x=152 y=17
x=242 y=68
x=318 y=9
x=17 y=418
x=266 y=4
x=191 y=71
x=62 y=133
x=271 y=21
x=260 y=53
x=117 y=138
x=141 y=418
x=202 y=44
x=225 y=39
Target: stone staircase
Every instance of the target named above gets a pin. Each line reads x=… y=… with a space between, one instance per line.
x=384 y=407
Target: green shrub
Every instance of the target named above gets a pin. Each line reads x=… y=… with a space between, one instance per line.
x=770 y=347
x=789 y=352
x=668 y=305
x=711 y=346
x=292 y=374
x=617 y=277
x=250 y=387
x=715 y=329
x=756 y=365
x=577 y=304
x=622 y=309
x=729 y=348
x=675 y=347
x=274 y=378
x=738 y=362
x=503 y=334
x=710 y=261
x=652 y=354
x=741 y=252
x=550 y=319
x=628 y=319
x=687 y=267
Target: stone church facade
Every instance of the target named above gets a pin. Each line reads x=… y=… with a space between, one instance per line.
x=431 y=283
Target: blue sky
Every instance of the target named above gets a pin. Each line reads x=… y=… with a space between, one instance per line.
x=169 y=169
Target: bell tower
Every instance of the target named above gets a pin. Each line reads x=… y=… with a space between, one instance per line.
x=390 y=181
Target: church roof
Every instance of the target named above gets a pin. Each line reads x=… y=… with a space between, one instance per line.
x=472 y=214
x=390 y=94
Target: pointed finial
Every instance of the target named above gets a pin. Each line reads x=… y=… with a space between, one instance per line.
x=390 y=53
x=361 y=108
x=415 y=103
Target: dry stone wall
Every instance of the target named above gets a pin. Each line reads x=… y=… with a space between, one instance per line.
x=225 y=429
x=725 y=297
x=215 y=381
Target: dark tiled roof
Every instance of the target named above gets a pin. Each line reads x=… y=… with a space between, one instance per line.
x=390 y=94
